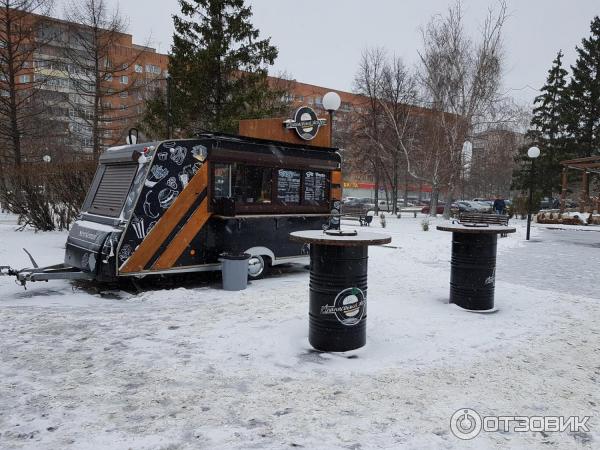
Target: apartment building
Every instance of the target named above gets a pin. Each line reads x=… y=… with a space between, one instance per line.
x=62 y=72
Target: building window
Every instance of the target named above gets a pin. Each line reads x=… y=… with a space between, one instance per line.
x=151 y=68
x=109 y=77
x=25 y=78
x=123 y=94
x=124 y=79
x=138 y=68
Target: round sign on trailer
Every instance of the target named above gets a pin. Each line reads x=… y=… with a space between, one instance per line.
x=306 y=123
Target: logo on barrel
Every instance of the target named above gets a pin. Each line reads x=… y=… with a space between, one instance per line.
x=349 y=306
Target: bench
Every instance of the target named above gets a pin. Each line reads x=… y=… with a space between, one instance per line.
x=490 y=219
x=357 y=213
x=364 y=220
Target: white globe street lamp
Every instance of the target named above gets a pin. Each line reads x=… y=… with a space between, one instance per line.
x=47 y=158
x=331 y=102
x=532 y=153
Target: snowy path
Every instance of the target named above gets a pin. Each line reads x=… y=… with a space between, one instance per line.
x=202 y=368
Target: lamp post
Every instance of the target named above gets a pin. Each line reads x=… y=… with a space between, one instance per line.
x=532 y=153
x=331 y=102
x=466 y=158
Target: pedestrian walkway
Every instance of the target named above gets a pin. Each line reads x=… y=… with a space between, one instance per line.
x=558 y=260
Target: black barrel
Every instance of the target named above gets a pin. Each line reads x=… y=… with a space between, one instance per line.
x=473 y=274
x=338 y=297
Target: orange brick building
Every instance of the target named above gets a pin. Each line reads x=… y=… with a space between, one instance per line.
x=133 y=73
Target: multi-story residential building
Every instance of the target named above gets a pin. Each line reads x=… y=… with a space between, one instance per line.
x=63 y=72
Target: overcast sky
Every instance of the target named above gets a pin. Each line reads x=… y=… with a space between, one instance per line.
x=320 y=42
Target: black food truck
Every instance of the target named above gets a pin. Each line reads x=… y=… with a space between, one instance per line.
x=174 y=206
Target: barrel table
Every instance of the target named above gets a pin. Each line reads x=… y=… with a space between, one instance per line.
x=473 y=264
x=338 y=287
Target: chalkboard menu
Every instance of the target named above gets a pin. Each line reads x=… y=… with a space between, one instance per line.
x=288 y=186
x=315 y=187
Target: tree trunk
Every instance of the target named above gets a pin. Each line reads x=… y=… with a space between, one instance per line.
x=376 y=188
x=449 y=197
x=395 y=186
x=15 y=134
x=405 y=187
x=435 y=193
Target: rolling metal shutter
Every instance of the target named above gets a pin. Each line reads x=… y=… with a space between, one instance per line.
x=113 y=189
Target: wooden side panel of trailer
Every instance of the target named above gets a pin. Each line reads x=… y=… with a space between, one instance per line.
x=176 y=187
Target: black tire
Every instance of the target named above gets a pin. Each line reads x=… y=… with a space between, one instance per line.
x=258 y=267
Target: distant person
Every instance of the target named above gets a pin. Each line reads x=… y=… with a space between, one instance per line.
x=499 y=205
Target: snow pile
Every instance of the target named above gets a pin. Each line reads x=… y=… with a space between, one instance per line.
x=200 y=367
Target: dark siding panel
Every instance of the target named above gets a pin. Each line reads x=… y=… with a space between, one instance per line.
x=113 y=189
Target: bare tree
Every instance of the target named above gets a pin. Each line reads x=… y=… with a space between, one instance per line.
x=368 y=148
x=386 y=120
x=461 y=80
x=397 y=103
x=20 y=103
x=100 y=71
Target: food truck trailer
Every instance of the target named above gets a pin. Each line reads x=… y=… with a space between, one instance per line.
x=175 y=206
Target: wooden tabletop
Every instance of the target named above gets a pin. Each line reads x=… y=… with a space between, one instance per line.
x=490 y=229
x=361 y=238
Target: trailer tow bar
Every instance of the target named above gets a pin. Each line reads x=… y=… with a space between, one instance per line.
x=36 y=273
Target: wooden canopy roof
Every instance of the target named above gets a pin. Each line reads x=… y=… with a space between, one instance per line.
x=589 y=164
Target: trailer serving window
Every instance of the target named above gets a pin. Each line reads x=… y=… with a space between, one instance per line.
x=251 y=184
x=258 y=189
x=113 y=189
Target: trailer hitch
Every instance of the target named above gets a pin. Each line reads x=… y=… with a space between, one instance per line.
x=36 y=273
x=9 y=271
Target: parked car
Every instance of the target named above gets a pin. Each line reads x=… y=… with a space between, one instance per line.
x=365 y=204
x=438 y=210
x=401 y=204
x=483 y=204
x=467 y=206
x=384 y=205
x=546 y=203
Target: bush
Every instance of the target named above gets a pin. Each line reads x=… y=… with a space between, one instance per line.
x=46 y=196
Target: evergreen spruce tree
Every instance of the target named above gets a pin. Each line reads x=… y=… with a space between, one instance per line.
x=584 y=90
x=548 y=131
x=218 y=67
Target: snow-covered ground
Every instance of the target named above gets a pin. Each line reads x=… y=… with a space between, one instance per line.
x=198 y=367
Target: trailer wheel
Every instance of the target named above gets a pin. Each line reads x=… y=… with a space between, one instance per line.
x=258 y=266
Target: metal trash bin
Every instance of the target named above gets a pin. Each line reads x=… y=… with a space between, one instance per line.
x=234 y=271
